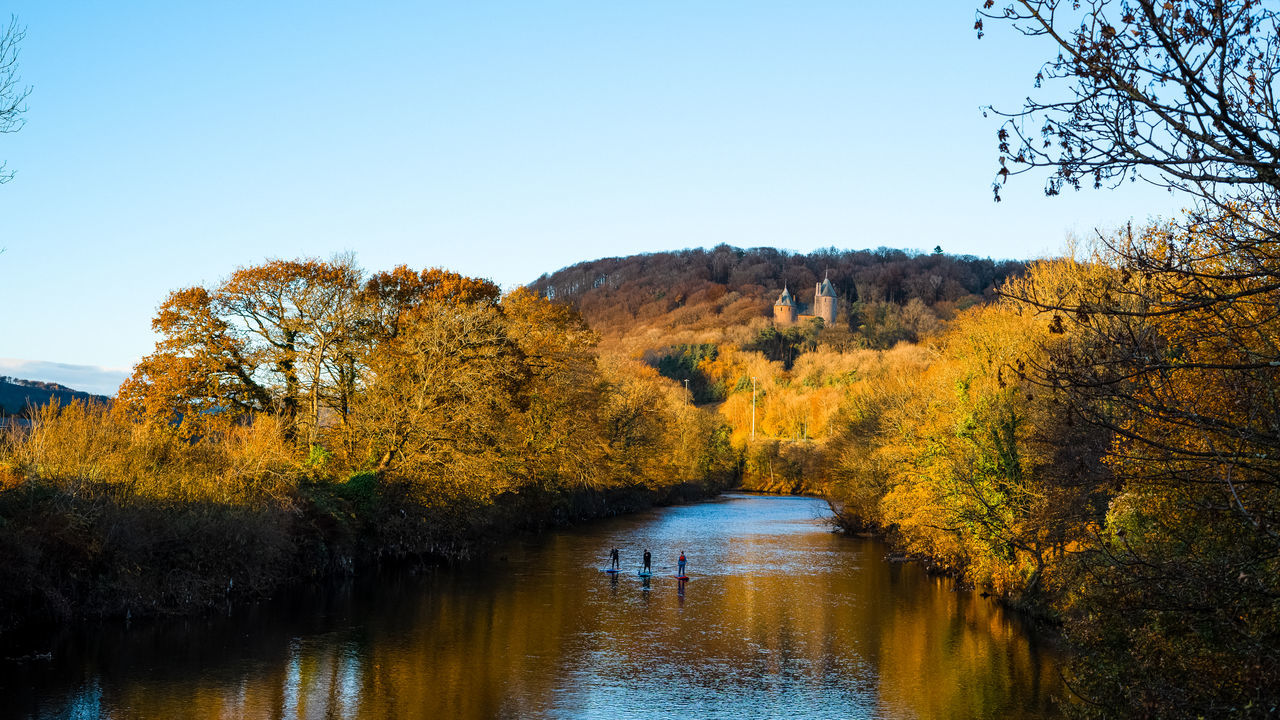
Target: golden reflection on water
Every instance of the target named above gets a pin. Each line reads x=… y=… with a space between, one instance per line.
x=781 y=618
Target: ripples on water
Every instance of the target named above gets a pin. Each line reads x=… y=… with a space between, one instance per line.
x=780 y=619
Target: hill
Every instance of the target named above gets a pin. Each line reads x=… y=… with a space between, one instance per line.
x=17 y=394
x=726 y=294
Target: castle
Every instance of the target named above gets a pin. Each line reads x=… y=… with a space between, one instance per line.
x=786 y=311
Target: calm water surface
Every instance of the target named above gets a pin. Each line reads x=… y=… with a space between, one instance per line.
x=780 y=619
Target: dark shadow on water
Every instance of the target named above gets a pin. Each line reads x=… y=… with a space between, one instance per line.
x=781 y=618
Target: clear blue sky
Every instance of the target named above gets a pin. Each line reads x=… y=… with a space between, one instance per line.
x=168 y=143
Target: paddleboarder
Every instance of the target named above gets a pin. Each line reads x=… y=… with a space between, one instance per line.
x=648 y=566
x=613 y=559
x=682 y=561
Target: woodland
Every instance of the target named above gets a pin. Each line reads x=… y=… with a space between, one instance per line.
x=1092 y=438
x=1097 y=445
x=305 y=418
x=17 y=396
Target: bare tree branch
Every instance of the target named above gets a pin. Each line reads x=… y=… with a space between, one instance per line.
x=13 y=94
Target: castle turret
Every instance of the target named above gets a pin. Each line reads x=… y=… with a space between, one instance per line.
x=824 y=302
x=785 y=310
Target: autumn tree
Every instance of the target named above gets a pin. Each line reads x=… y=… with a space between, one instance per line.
x=973 y=459
x=1166 y=338
x=389 y=295
x=201 y=375
x=267 y=339
x=632 y=418
x=1177 y=595
x=559 y=427
x=438 y=397
x=870 y=417
x=1181 y=93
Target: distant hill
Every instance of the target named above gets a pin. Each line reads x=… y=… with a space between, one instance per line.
x=885 y=295
x=16 y=395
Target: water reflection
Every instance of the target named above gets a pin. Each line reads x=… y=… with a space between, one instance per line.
x=779 y=618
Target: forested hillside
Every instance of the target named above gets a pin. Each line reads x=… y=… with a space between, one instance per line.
x=705 y=317
x=701 y=295
x=1096 y=444
x=17 y=395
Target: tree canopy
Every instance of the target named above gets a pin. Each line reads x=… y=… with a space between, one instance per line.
x=1163 y=338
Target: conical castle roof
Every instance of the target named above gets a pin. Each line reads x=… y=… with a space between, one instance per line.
x=785 y=298
x=827 y=289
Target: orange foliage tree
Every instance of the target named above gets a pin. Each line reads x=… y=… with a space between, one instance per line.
x=286 y=338
x=1166 y=340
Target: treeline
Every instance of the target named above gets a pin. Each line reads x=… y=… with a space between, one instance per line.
x=1160 y=355
x=885 y=294
x=303 y=416
x=17 y=396
x=1099 y=446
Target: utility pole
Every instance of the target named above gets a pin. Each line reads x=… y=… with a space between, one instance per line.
x=753 y=408
x=686 y=390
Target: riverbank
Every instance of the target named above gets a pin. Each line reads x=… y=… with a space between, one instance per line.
x=785 y=467
x=534 y=629
x=68 y=557
x=1040 y=610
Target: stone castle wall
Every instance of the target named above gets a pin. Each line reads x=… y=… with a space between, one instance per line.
x=824 y=306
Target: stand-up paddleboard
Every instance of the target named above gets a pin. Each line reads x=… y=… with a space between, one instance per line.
x=611 y=570
x=644 y=574
x=680 y=577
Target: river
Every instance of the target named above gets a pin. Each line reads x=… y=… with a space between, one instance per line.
x=781 y=618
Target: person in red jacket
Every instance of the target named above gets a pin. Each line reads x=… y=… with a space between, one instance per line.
x=682 y=562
